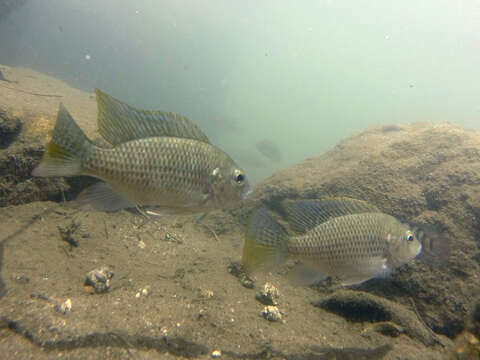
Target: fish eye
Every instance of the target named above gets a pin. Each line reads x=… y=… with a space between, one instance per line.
x=238 y=176
x=410 y=237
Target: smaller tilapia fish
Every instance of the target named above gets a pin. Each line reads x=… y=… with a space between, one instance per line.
x=340 y=238
x=156 y=159
x=269 y=150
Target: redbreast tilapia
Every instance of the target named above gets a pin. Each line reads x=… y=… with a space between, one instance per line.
x=346 y=239
x=157 y=158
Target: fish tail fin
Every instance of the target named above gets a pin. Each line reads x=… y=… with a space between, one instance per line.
x=63 y=154
x=265 y=242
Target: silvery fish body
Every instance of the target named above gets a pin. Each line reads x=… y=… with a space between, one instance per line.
x=157 y=158
x=347 y=239
x=356 y=247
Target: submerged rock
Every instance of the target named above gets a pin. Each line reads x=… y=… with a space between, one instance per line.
x=356 y=306
x=428 y=174
x=10 y=126
x=99 y=279
x=271 y=313
x=236 y=269
x=27 y=118
x=268 y=295
x=425 y=174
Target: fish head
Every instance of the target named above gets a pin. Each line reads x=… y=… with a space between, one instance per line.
x=228 y=185
x=404 y=246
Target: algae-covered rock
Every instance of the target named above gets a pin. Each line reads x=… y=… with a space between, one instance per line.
x=28 y=108
x=423 y=173
x=356 y=306
x=426 y=174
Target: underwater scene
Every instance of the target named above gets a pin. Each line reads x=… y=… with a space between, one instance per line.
x=240 y=180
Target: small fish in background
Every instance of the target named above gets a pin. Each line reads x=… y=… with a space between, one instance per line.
x=347 y=239
x=156 y=159
x=269 y=150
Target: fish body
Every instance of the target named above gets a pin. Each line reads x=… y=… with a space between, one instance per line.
x=269 y=150
x=356 y=247
x=156 y=159
x=352 y=247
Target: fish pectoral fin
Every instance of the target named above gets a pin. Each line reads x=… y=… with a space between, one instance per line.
x=303 y=215
x=102 y=197
x=305 y=275
x=119 y=122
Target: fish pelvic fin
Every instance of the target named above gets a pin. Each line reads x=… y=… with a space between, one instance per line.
x=305 y=275
x=63 y=154
x=265 y=242
x=102 y=197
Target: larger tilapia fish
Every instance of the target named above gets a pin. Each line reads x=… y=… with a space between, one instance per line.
x=156 y=158
x=346 y=239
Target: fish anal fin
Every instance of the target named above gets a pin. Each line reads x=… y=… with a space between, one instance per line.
x=305 y=275
x=102 y=197
x=375 y=268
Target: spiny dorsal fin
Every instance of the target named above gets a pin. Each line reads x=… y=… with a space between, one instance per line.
x=303 y=215
x=119 y=122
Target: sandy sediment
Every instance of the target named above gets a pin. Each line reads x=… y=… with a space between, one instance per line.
x=175 y=288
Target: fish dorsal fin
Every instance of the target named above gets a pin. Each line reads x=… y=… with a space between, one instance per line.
x=119 y=122
x=303 y=215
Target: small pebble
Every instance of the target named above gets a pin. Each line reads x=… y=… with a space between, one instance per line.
x=143 y=292
x=99 y=279
x=216 y=354
x=69 y=233
x=146 y=290
x=9 y=127
x=64 y=307
x=268 y=295
x=247 y=282
x=236 y=269
x=271 y=313
x=206 y=293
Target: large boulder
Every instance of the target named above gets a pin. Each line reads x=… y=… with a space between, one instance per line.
x=428 y=174
x=28 y=106
x=178 y=289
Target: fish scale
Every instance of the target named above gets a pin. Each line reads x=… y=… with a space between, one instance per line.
x=157 y=158
x=352 y=247
x=339 y=238
x=165 y=165
x=348 y=246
